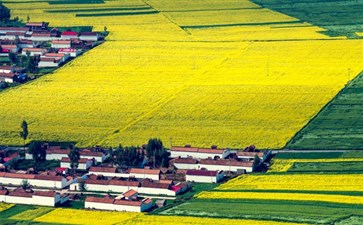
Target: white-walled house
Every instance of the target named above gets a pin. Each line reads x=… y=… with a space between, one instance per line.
x=144 y=173
x=73 y=53
x=53 y=153
x=29 y=197
x=33 y=51
x=98 y=156
x=61 y=44
x=185 y=163
x=119 y=186
x=204 y=176
x=226 y=165
x=48 y=181
x=68 y=35
x=7 y=77
x=83 y=163
x=89 y=36
x=199 y=153
x=49 y=62
x=4 y=30
x=105 y=171
x=41 y=37
x=116 y=204
x=249 y=156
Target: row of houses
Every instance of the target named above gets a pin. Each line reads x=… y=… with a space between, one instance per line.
x=35 y=180
x=29 y=197
x=129 y=201
x=138 y=173
x=232 y=165
x=215 y=153
x=146 y=186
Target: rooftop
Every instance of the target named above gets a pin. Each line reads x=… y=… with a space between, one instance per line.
x=207 y=173
x=145 y=171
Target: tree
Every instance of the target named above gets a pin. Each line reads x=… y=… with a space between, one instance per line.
x=256 y=163
x=24 y=184
x=156 y=153
x=24 y=133
x=12 y=57
x=31 y=64
x=105 y=29
x=74 y=157
x=28 y=19
x=4 y=13
x=38 y=152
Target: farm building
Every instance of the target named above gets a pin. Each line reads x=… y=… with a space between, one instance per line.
x=63 y=57
x=7 y=77
x=29 y=197
x=4 y=30
x=34 y=51
x=41 y=37
x=226 y=165
x=129 y=202
x=61 y=44
x=89 y=36
x=153 y=174
x=104 y=171
x=110 y=185
x=73 y=53
x=185 y=163
x=37 y=26
x=49 y=62
x=68 y=35
x=199 y=153
x=83 y=163
x=249 y=156
x=98 y=156
x=204 y=176
x=48 y=181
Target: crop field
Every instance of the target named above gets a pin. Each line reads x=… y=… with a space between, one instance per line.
x=48 y=216
x=190 y=72
x=338 y=126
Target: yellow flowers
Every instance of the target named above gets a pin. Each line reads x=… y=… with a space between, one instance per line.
x=312 y=182
x=5 y=206
x=86 y=217
x=154 y=79
x=284 y=196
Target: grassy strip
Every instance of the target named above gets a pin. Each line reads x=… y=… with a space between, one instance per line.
x=97 y=10
x=338 y=125
x=309 y=155
x=25 y=222
x=290 y=211
x=66 y=2
x=117 y=14
x=15 y=210
x=327 y=167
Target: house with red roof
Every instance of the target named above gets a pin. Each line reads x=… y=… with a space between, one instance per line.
x=30 y=197
x=61 y=44
x=41 y=37
x=11 y=48
x=4 y=30
x=34 y=51
x=72 y=52
x=7 y=77
x=83 y=163
x=68 y=35
x=199 y=153
x=120 y=203
x=146 y=172
x=98 y=156
x=89 y=36
x=204 y=176
x=37 y=26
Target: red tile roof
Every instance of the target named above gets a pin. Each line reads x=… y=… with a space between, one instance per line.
x=185 y=161
x=148 y=184
x=103 y=169
x=41 y=34
x=54 y=55
x=100 y=182
x=100 y=200
x=35 y=24
x=145 y=171
x=25 y=29
x=58 y=151
x=129 y=193
x=33 y=50
x=4 y=192
x=48 y=177
x=61 y=42
x=207 y=173
x=200 y=150
x=45 y=193
x=225 y=162
x=127 y=202
x=81 y=160
x=19 y=175
x=124 y=183
x=87 y=153
x=69 y=33
x=7 y=75
x=21 y=193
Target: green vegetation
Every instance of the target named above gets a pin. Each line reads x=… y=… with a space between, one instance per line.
x=308 y=155
x=327 y=167
x=54 y=2
x=15 y=210
x=99 y=10
x=24 y=222
x=297 y=211
x=338 y=17
x=339 y=125
x=27 y=163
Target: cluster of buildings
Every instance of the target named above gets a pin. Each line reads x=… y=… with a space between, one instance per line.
x=51 y=47
x=130 y=189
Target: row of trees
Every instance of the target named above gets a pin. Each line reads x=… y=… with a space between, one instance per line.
x=4 y=14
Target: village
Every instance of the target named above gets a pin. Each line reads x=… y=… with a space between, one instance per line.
x=36 y=48
x=135 y=179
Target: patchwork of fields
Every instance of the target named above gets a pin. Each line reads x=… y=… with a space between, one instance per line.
x=181 y=70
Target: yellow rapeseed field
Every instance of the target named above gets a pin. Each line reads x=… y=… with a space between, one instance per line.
x=86 y=217
x=283 y=196
x=312 y=182
x=4 y=206
x=31 y=214
x=154 y=79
